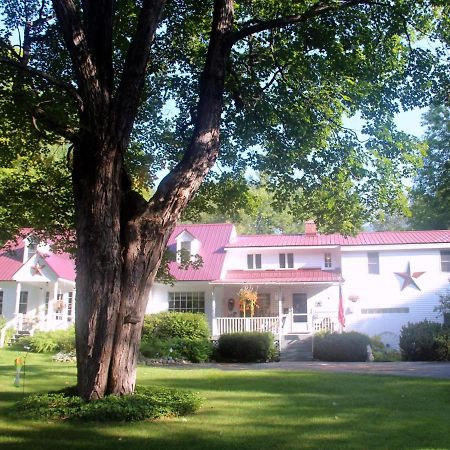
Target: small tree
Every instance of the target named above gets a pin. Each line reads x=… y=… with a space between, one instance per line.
x=444 y=308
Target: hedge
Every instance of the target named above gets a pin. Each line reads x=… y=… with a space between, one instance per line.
x=351 y=346
x=246 y=347
x=168 y=325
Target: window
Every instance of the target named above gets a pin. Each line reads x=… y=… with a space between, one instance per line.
x=385 y=310
x=47 y=301
x=185 y=249
x=23 y=302
x=373 y=259
x=327 y=261
x=1 y=303
x=254 y=261
x=187 y=302
x=32 y=246
x=263 y=309
x=69 y=306
x=286 y=260
x=445 y=260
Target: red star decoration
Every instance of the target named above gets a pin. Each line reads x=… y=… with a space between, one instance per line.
x=37 y=268
x=408 y=278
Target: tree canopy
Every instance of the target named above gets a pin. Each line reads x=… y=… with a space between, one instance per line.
x=286 y=92
x=431 y=190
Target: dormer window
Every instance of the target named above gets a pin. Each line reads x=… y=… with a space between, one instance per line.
x=187 y=246
x=185 y=249
x=30 y=247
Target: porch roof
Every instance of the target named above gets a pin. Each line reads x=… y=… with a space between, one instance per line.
x=280 y=276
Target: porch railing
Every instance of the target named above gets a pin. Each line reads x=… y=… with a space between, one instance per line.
x=325 y=321
x=241 y=324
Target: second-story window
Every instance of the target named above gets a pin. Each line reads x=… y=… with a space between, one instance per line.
x=286 y=260
x=445 y=260
x=327 y=263
x=373 y=260
x=254 y=261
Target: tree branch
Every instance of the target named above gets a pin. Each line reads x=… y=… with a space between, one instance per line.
x=98 y=20
x=315 y=10
x=45 y=76
x=135 y=67
x=86 y=72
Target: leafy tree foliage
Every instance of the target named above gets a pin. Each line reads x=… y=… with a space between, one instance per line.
x=431 y=192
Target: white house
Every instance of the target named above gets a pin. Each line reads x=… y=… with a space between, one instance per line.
x=381 y=279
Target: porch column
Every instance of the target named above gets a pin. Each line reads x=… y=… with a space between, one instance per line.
x=18 y=290
x=213 y=313
x=51 y=307
x=280 y=314
x=18 y=317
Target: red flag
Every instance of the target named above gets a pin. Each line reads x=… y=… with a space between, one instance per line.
x=341 y=315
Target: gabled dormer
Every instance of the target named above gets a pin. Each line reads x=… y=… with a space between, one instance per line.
x=187 y=245
x=32 y=246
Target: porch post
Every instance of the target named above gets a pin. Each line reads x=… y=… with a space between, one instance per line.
x=18 y=290
x=280 y=314
x=213 y=313
x=18 y=324
x=51 y=307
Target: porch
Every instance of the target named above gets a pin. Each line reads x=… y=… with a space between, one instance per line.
x=44 y=306
x=294 y=308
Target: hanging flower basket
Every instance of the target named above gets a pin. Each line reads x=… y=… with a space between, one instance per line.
x=353 y=298
x=248 y=301
x=59 y=306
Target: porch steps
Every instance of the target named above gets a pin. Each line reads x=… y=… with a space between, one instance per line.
x=19 y=334
x=296 y=347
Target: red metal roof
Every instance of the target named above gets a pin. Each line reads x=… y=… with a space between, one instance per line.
x=212 y=238
x=62 y=264
x=11 y=260
x=281 y=276
x=368 y=238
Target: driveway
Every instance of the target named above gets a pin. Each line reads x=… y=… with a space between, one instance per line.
x=409 y=368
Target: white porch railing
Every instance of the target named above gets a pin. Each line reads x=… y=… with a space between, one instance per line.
x=241 y=324
x=325 y=321
x=3 y=331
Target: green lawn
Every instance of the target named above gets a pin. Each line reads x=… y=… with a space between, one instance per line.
x=246 y=410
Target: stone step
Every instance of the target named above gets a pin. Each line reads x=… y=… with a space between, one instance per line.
x=296 y=347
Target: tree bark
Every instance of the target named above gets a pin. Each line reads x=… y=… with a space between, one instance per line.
x=120 y=237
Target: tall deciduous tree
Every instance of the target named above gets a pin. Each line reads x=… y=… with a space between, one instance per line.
x=431 y=191
x=269 y=80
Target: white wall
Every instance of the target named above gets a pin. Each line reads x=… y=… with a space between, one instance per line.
x=384 y=290
x=159 y=296
x=236 y=259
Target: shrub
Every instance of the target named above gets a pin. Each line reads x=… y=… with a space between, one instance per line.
x=381 y=353
x=167 y=325
x=246 y=347
x=145 y=403
x=51 y=341
x=424 y=341
x=350 y=346
x=194 y=350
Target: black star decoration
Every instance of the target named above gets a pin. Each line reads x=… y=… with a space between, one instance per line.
x=408 y=278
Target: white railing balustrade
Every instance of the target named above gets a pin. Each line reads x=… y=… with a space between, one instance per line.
x=325 y=321
x=241 y=324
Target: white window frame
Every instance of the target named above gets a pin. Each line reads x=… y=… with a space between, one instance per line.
x=286 y=260
x=254 y=260
x=445 y=260
x=373 y=267
x=327 y=260
x=185 y=301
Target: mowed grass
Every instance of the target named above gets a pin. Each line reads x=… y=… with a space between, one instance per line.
x=246 y=409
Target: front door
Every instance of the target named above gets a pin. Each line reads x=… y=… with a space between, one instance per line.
x=299 y=313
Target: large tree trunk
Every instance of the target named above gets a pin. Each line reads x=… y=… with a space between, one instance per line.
x=120 y=237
